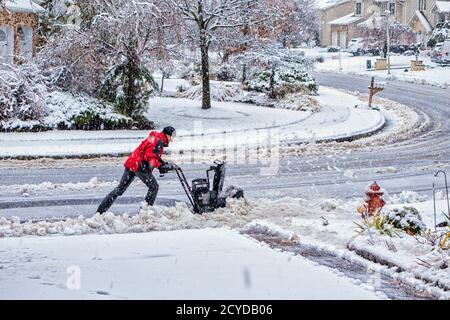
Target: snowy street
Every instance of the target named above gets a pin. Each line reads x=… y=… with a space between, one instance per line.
x=405 y=165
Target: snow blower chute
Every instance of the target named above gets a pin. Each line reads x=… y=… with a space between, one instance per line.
x=202 y=197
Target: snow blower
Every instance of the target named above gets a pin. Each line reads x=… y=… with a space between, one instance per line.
x=202 y=197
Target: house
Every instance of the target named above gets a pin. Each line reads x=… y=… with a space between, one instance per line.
x=331 y=10
x=341 y=18
x=441 y=11
x=18 y=29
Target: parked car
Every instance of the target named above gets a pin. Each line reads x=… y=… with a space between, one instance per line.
x=356 y=46
x=436 y=53
x=398 y=48
x=359 y=47
x=445 y=51
x=332 y=49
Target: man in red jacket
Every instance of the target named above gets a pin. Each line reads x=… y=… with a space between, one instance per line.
x=141 y=163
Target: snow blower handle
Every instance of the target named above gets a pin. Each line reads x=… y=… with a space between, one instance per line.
x=186 y=187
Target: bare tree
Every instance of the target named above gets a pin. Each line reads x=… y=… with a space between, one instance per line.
x=300 y=22
x=203 y=21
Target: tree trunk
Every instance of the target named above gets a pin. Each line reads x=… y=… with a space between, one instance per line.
x=272 y=83
x=206 y=98
x=244 y=73
x=131 y=88
x=162 y=82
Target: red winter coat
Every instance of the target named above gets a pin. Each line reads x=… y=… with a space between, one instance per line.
x=149 y=150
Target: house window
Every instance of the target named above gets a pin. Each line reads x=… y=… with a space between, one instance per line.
x=2 y=35
x=358 y=9
x=422 y=5
x=21 y=34
x=392 y=8
x=383 y=7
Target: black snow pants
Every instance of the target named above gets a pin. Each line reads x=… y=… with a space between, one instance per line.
x=128 y=176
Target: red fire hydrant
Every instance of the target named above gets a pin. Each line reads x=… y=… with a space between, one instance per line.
x=374 y=202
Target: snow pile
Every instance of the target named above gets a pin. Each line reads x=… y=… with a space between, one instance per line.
x=269 y=229
x=237 y=214
x=407 y=196
x=413 y=255
x=329 y=205
x=150 y=219
x=26 y=189
x=441 y=195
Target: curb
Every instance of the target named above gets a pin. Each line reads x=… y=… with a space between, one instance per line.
x=386 y=262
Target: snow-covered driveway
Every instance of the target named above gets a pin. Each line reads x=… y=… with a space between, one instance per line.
x=186 y=264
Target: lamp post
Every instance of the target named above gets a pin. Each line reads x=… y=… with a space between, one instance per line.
x=340 y=61
x=387 y=12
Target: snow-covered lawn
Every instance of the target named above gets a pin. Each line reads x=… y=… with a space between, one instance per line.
x=186 y=264
x=226 y=123
x=433 y=74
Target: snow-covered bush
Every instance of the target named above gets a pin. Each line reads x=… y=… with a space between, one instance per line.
x=81 y=112
x=294 y=81
x=129 y=86
x=41 y=107
x=227 y=72
x=283 y=82
x=219 y=92
x=407 y=219
x=260 y=81
x=440 y=33
x=192 y=73
x=22 y=95
x=380 y=223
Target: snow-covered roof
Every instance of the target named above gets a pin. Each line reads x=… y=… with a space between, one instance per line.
x=345 y=20
x=325 y=4
x=26 y=6
x=423 y=20
x=375 y=21
x=442 y=6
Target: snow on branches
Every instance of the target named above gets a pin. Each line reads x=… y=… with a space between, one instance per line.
x=440 y=33
x=214 y=23
x=22 y=94
x=300 y=23
x=375 y=32
x=277 y=71
x=115 y=40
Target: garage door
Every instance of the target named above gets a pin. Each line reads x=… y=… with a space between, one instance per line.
x=343 y=39
x=334 y=39
x=3 y=46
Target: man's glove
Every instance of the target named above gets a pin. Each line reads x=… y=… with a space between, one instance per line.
x=166 y=167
